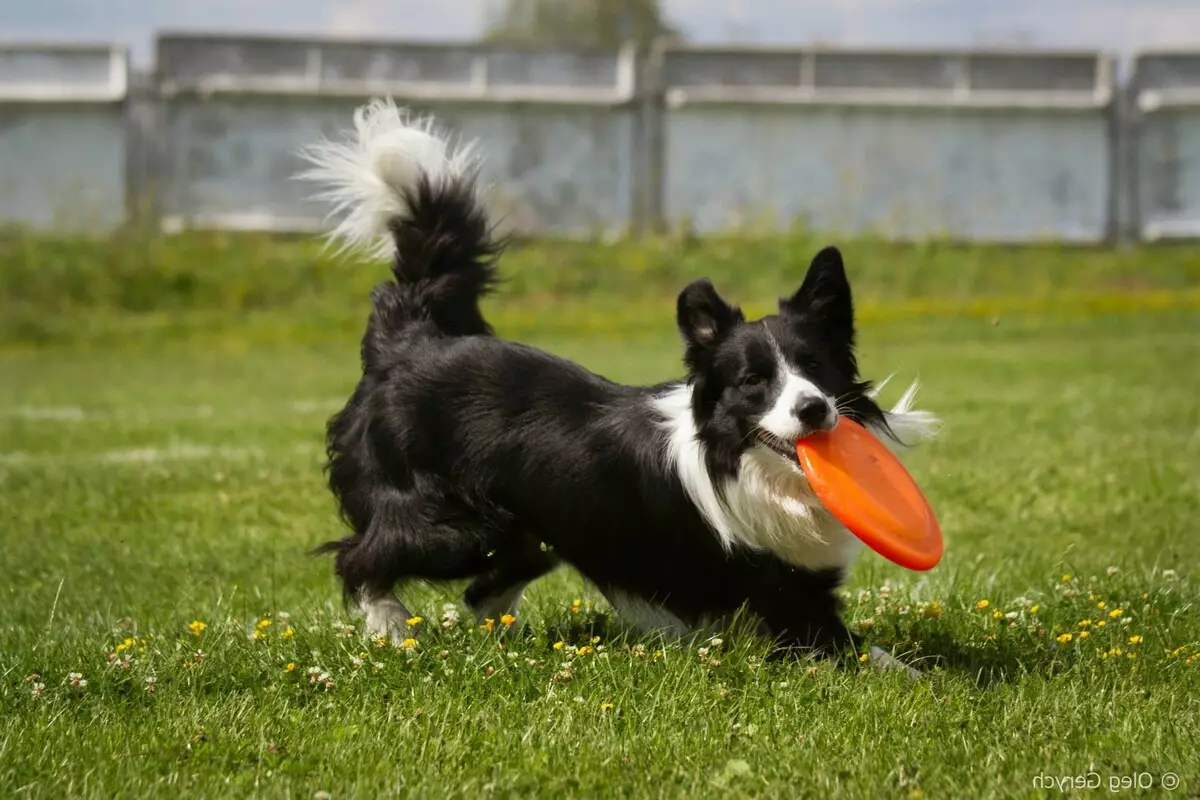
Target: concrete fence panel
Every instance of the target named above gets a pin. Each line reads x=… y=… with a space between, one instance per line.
x=63 y=162
x=558 y=129
x=1004 y=146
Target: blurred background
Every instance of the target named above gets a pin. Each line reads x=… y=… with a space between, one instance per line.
x=1012 y=122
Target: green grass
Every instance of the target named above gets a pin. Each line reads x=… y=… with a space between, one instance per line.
x=150 y=484
x=83 y=292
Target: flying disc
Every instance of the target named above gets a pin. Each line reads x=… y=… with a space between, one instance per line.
x=865 y=486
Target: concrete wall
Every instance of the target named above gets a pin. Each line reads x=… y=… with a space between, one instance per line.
x=1007 y=147
x=559 y=128
x=63 y=136
x=988 y=145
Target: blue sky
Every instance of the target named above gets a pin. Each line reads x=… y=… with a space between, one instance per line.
x=1120 y=25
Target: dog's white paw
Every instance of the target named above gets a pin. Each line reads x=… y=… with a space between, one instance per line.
x=886 y=660
x=386 y=616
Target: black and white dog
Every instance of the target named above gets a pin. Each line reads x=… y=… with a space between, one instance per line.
x=461 y=455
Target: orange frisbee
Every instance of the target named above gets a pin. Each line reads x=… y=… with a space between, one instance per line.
x=866 y=487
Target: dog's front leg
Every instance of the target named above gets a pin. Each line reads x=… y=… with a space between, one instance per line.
x=800 y=610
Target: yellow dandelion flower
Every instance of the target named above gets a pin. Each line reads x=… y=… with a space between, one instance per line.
x=1101 y=623
x=263 y=624
x=997 y=614
x=982 y=604
x=1135 y=640
x=507 y=620
x=1084 y=634
x=1066 y=637
x=1116 y=612
x=196 y=627
x=1131 y=655
x=575 y=606
x=488 y=624
x=291 y=667
x=409 y=644
x=559 y=645
x=1178 y=651
x=1034 y=609
x=1102 y=604
x=1083 y=623
x=1066 y=578
x=595 y=640
x=414 y=621
x=380 y=641
x=583 y=651
x=1116 y=651
x=259 y=636
x=607 y=706
x=288 y=633
x=864 y=658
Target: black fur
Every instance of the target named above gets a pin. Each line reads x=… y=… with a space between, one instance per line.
x=459 y=455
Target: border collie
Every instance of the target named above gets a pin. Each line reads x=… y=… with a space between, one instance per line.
x=464 y=456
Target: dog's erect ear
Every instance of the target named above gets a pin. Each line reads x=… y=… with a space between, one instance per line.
x=704 y=318
x=824 y=299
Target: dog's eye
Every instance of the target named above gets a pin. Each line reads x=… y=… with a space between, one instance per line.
x=752 y=380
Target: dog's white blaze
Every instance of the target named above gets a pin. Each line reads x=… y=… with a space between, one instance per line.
x=781 y=420
x=367 y=177
x=769 y=506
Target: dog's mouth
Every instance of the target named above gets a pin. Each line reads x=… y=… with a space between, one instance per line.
x=778 y=446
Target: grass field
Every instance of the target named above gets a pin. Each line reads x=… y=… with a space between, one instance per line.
x=162 y=631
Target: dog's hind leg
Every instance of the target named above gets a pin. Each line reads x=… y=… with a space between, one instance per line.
x=386 y=615
x=517 y=564
x=409 y=536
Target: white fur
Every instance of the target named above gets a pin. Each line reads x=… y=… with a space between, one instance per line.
x=770 y=505
x=386 y=616
x=886 y=660
x=367 y=177
x=645 y=616
x=911 y=425
x=781 y=420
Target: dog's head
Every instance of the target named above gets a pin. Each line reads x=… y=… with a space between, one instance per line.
x=769 y=382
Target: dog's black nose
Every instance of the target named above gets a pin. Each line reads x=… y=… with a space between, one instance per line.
x=812 y=411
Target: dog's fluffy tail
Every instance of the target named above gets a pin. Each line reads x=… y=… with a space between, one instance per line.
x=404 y=191
x=908 y=425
